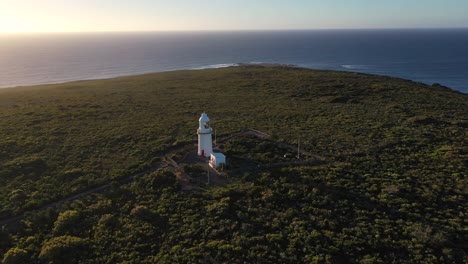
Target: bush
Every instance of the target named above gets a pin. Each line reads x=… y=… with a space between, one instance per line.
x=163 y=178
x=66 y=222
x=15 y=255
x=63 y=249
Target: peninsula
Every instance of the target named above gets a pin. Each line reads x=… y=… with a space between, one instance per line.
x=390 y=184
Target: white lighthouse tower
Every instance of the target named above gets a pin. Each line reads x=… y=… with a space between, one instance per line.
x=205 y=145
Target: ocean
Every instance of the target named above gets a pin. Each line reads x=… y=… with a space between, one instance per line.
x=428 y=56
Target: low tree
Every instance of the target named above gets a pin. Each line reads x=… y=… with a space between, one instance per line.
x=63 y=249
x=15 y=255
x=66 y=222
x=163 y=178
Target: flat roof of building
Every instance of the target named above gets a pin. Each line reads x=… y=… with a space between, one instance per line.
x=218 y=155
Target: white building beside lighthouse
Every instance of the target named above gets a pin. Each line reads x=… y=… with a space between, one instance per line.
x=205 y=144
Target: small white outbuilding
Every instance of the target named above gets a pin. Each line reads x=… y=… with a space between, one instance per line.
x=217 y=159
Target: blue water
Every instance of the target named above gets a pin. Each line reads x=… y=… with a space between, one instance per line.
x=429 y=56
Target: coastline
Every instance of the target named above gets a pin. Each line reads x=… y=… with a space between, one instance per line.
x=228 y=65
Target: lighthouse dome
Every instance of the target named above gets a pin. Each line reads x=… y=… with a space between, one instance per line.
x=204 y=126
x=204 y=118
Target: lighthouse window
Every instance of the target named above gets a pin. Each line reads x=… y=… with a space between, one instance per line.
x=206 y=125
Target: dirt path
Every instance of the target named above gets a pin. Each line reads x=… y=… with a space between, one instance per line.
x=71 y=198
x=264 y=136
x=182 y=176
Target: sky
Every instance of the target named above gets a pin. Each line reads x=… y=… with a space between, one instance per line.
x=25 y=16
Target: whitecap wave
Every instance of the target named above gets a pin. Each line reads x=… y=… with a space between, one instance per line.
x=356 y=67
x=216 y=66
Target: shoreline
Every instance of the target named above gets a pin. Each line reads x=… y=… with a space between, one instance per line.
x=229 y=65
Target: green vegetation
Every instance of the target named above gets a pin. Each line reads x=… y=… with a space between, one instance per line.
x=249 y=151
x=393 y=188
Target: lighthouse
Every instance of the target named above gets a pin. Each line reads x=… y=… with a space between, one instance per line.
x=205 y=145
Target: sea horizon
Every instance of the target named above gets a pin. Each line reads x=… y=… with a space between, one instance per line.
x=234 y=30
x=423 y=55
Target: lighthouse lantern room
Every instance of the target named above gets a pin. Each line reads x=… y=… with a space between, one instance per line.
x=205 y=145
